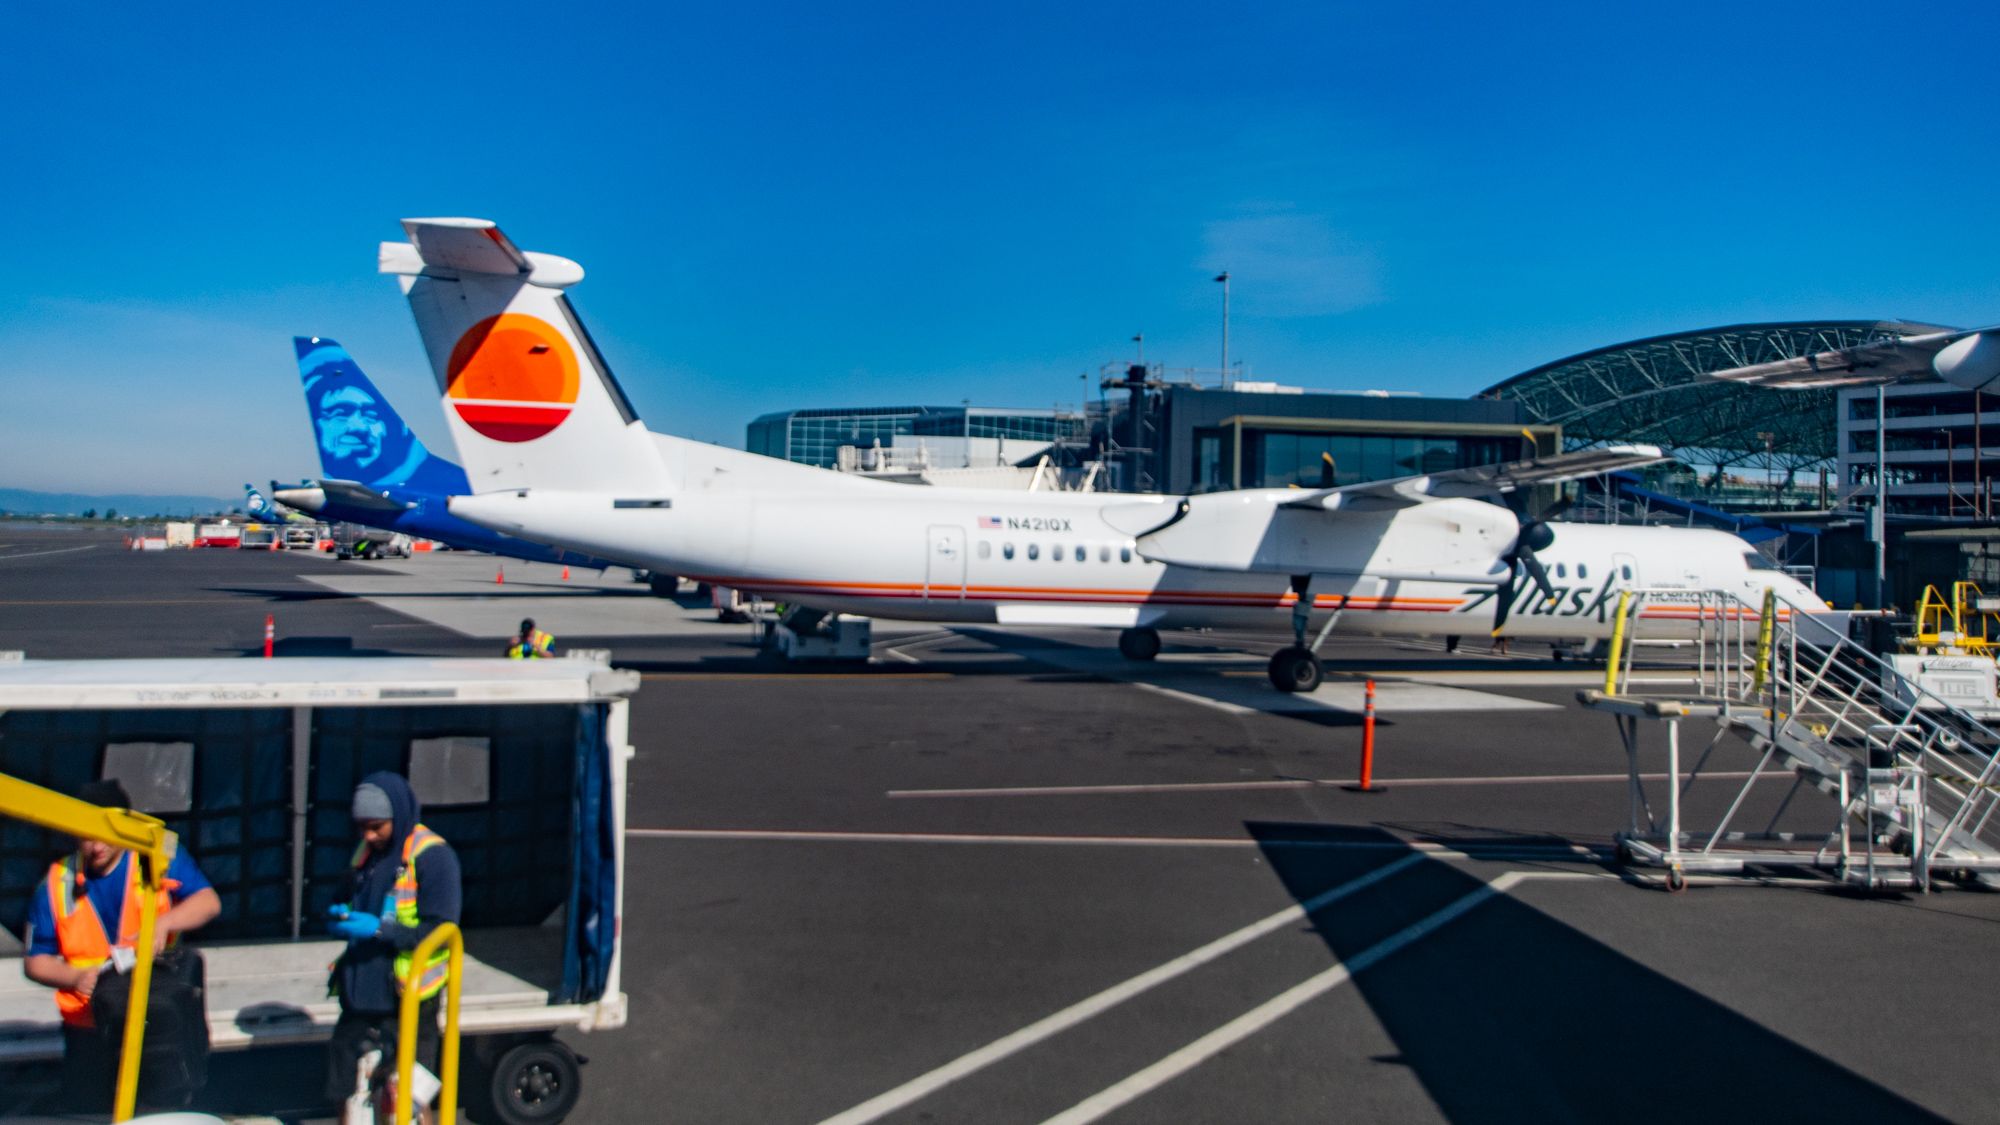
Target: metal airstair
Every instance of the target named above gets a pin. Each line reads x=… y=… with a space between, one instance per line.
x=1914 y=779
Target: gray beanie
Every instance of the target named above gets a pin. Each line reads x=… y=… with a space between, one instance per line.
x=371 y=803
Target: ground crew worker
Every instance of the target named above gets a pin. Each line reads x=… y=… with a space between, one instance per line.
x=531 y=643
x=70 y=942
x=405 y=883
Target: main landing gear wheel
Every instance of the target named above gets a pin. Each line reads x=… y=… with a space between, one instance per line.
x=1295 y=669
x=1139 y=644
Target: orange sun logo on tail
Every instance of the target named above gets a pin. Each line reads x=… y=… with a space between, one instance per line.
x=512 y=377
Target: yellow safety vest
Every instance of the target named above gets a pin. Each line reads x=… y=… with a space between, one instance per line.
x=534 y=646
x=404 y=895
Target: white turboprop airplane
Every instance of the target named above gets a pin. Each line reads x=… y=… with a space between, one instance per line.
x=555 y=453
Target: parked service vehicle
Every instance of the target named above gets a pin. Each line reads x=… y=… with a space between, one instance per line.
x=355 y=542
x=253 y=764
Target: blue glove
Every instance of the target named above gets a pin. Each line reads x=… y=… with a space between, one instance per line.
x=355 y=927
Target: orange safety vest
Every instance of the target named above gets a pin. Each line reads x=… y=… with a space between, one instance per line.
x=80 y=933
x=403 y=896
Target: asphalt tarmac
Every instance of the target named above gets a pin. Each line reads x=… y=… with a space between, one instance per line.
x=1005 y=877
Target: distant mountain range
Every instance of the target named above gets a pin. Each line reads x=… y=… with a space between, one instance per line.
x=23 y=502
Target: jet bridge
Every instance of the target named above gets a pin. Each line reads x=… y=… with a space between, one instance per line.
x=1911 y=777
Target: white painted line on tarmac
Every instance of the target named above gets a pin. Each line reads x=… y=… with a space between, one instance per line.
x=1306 y=783
x=1264 y=1015
x=1197 y=700
x=1483 y=853
x=968 y=1064
x=39 y=554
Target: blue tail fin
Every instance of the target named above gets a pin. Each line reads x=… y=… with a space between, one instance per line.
x=360 y=436
x=256 y=507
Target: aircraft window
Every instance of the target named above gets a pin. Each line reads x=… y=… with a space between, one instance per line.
x=1081 y=552
x=1055 y=553
x=1104 y=554
x=1626 y=571
x=1125 y=554
x=1034 y=551
x=1757 y=561
x=1006 y=550
x=1561 y=571
x=1582 y=571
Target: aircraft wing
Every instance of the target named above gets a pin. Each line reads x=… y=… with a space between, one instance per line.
x=1481 y=481
x=1962 y=357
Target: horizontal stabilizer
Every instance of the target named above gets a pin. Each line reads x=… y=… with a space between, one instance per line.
x=314 y=496
x=460 y=247
x=1482 y=481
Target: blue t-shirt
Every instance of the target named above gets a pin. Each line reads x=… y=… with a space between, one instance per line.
x=107 y=895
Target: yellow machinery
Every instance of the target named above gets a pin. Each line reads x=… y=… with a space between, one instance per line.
x=1963 y=622
x=406 y=1039
x=154 y=846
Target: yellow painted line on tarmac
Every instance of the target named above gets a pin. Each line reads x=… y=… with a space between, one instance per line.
x=797 y=677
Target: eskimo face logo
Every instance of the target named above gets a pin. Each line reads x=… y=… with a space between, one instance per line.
x=512 y=377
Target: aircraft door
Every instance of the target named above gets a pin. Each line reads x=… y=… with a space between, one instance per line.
x=944 y=570
x=1624 y=571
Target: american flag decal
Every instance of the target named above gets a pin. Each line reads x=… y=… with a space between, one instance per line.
x=989 y=522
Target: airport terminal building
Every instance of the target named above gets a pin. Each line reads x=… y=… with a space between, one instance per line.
x=1157 y=436
x=814 y=437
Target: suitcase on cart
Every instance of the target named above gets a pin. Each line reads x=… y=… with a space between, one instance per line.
x=173 y=1064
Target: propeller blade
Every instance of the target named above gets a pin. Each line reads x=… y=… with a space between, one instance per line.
x=1326 y=470
x=1539 y=573
x=1562 y=504
x=1503 y=601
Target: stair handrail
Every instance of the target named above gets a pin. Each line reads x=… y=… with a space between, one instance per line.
x=1928 y=729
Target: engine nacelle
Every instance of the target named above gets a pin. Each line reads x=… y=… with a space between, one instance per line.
x=1972 y=363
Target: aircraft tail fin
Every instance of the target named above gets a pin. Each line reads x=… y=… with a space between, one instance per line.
x=256 y=507
x=529 y=399
x=360 y=436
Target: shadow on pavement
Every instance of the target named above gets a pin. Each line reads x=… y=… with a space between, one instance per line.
x=1506 y=1014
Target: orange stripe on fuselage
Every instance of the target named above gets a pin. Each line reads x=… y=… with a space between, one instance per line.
x=1244 y=599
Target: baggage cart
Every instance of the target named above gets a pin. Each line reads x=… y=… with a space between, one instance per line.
x=519 y=764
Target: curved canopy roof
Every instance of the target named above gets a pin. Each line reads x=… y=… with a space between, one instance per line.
x=1648 y=391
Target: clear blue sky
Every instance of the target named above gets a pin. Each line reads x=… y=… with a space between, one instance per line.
x=784 y=206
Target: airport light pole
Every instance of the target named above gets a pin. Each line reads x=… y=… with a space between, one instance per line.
x=1881 y=520
x=1223 y=277
x=1950 y=475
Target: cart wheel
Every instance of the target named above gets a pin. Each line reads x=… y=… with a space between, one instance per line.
x=1677 y=880
x=534 y=1083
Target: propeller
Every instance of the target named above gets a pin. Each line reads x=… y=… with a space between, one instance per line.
x=1326 y=470
x=1535 y=535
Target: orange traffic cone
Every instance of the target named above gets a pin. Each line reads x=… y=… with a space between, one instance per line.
x=565 y=574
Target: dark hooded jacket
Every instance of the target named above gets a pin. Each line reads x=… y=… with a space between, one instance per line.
x=365 y=976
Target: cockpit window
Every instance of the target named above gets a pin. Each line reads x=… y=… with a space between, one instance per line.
x=1756 y=561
